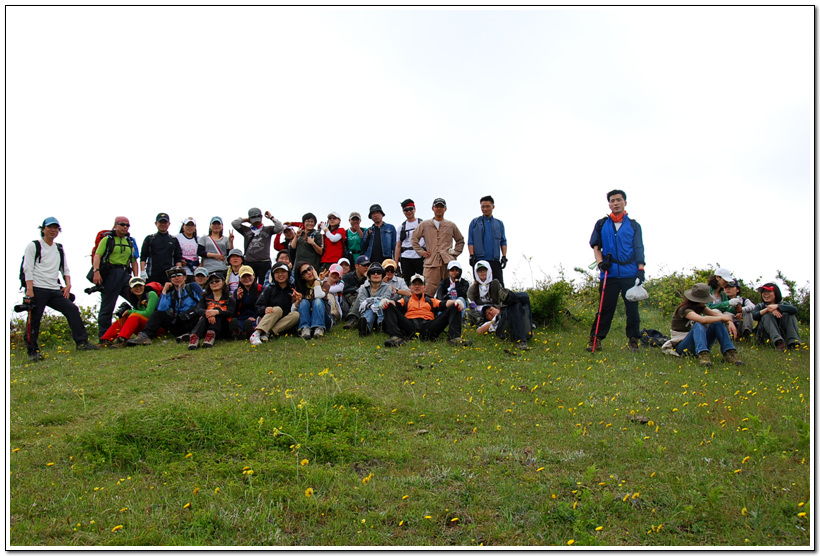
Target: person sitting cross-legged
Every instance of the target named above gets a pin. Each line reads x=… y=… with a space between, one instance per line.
x=417 y=315
x=368 y=301
x=176 y=311
x=216 y=310
x=276 y=306
x=778 y=323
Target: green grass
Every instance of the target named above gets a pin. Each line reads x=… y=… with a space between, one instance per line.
x=422 y=445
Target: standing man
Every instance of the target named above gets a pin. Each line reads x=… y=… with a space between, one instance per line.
x=115 y=261
x=43 y=262
x=410 y=262
x=160 y=251
x=379 y=240
x=439 y=235
x=617 y=242
x=257 y=239
x=486 y=240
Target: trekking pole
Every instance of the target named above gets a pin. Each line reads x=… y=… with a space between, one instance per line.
x=600 y=307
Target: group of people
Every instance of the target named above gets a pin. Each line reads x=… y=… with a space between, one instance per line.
x=404 y=282
x=203 y=288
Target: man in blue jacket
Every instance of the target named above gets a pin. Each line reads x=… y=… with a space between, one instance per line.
x=486 y=240
x=380 y=239
x=617 y=242
x=175 y=312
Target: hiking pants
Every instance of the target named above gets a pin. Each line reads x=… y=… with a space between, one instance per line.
x=776 y=329
x=114 y=284
x=614 y=288
x=396 y=324
x=54 y=299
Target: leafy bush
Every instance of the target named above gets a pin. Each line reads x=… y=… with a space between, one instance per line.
x=799 y=297
x=549 y=301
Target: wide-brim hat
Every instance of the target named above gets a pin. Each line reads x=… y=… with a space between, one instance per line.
x=699 y=293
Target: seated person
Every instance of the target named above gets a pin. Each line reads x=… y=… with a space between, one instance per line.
x=314 y=315
x=235 y=261
x=405 y=318
x=741 y=309
x=201 y=276
x=483 y=291
x=367 y=306
x=216 y=312
x=511 y=318
x=281 y=257
x=717 y=284
x=352 y=281
x=176 y=310
x=245 y=298
x=400 y=288
x=143 y=302
x=695 y=327
x=333 y=286
x=778 y=320
x=454 y=286
x=276 y=306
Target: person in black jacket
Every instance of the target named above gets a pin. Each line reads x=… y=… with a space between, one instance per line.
x=453 y=287
x=160 y=251
x=276 y=306
x=216 y=310
x=246 y=296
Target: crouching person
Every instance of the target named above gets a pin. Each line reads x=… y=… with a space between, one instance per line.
x=176 y=310
x=215 y=311
x=417 y=315
x=276 y=306
x=695 y=328
x=368 y=307
x=778 y=321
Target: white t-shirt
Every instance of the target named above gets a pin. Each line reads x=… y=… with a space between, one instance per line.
x=407 y=251
x=45 y=273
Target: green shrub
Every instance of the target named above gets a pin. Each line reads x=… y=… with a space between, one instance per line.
x=549 y=301
x=54 y=328
x=799 y=297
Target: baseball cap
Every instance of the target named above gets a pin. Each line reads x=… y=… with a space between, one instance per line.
x=354 y=215
x=363 y=260
x=189 y=220
x=345 y=260
x=725 y=273
x=440 y=201
x=279 y=266
x=374 y=268
x=334 y=214
x=417 y=278
x=163 y=216
x=216 y=219
x=237 y=252
x=136 y=281
x=50 y=221
x=390 y=263
x=201 y=271
x=245 y=270
x=336 y=268
x=254 y=215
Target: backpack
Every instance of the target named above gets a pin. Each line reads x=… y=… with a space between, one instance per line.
x=652 y=337
x=156 y=286
x=403 y=233
x=109 y=245
x=38 y=256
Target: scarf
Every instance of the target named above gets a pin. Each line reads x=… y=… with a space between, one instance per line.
x=617 y=218
x=483 y=287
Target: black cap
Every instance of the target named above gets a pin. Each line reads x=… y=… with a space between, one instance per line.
x=163 y=216
x=375 y=267
x=440 y=201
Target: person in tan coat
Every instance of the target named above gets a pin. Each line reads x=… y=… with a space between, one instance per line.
x=443 y=243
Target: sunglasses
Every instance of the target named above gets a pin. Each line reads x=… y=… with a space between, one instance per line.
x=306 y=270
x=214 y=279
x=123 y=224
x=409 y=209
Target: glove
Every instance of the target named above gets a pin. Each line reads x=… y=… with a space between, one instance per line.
x=460 y=305
x=384 y=303
x=642 y=275
x=451 y=251
x=503 y=263
x=735 y=302
x=473 y=261
x=604 y=265
x=144 y=275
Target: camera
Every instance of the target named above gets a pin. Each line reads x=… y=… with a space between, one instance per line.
x=122 y=309
x=25 y=306
x=94 y=289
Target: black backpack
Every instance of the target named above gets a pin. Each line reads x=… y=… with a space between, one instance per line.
x=38 y=256
x=652 y=338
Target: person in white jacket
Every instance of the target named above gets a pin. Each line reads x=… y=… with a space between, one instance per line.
x=741 y=310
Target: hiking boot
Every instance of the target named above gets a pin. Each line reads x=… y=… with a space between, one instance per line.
x=594 y=344
x=634 y=344
x=364 y=329
x=121 y=339
x=210 y=337
x=780 y=345
x=705 y=358
x=351 y=323
x=193 y=341
x=256 y=338
x=730 y=356
x=503 y=295
x=794 y=345
x=104 y=343
x=35 y=356
x=184 y=339
x=394 y=341
x=305 y=333
x=460 y=342
x=142 y=339
x=522 y=345
x=86 y=346
x=318 y=332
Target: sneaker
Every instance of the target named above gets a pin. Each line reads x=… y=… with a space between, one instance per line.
x=210 y=337
x=35 y=356
x=193 y=341
x=256 y=338
x=104 y=343
x=634 y=344
x=121 y=339
x=594 y=344
x=522 y=345
x=351 y=323
x=780 y=345
x=730 y=356
x=318 y=332
x=86 y=346
x=394 y=341
x=503 y=295
x=305 y=333
x=142 y=339
x=184 y=339
x=459 y=342
x=263 y=337
x=364 y=329
x=705 y=358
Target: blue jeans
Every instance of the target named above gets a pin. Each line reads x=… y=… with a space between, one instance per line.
x=313 y=314
x=701 y=338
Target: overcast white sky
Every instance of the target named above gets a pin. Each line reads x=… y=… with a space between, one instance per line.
x=703 y=115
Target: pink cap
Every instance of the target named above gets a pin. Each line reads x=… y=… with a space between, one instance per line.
x=337 y=268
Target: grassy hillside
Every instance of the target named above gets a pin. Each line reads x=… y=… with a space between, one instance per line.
x=343 y=442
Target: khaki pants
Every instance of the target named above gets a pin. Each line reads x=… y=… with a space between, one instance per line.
x=277 y=323
x=432 y=276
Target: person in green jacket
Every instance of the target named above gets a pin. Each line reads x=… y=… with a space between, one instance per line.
x=143 y=302
x=717 y=284
x=778 y=320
